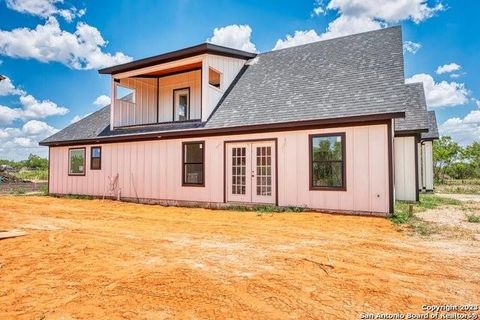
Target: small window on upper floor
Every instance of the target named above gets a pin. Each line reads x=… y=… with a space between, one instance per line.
x=124 y=93
x=214 y=78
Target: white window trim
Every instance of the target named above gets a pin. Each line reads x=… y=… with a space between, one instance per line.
x=177 y=92
x=221 y=79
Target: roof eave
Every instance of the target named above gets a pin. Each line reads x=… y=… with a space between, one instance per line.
x=177 y=55
x=272 y=127
x=413 y=132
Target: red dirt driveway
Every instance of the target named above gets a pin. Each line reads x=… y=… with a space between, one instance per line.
x=93 y=259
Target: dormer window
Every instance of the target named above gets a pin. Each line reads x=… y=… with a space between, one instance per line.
x=214 y=78
x=123 y=93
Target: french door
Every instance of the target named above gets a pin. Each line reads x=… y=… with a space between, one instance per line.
x=250 y=170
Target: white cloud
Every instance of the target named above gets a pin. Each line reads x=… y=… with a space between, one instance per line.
x=34 y=109
x=30 y=107
x=412 y=47
x=299 y=38
x=234 y=36
x=35 y=128
x=357 y=16
x=49 y=43
x=8 y=115
x=447 y=68
x=18 y=143
x=44 y=8
x=7 y=88
x=388 y=11
x=441 y=94
x=318 y=8
x=477 y=102
x=456 y=75
x=79 y=117
x=465 y=130
x=102 y=101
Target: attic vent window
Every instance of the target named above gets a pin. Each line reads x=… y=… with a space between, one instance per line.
x=124 y=93
x=214 y=77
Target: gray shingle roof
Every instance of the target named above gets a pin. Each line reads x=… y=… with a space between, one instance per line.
x=416 y=115
x=97 y=126
x=432 y=127
x=360 y=74
x=351 y=76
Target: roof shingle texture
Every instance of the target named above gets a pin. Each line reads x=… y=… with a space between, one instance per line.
x=432 y=127
x=416 y=114
x=355 y=75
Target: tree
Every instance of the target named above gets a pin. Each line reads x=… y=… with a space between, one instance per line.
x=471 y=156
x=445 y=152
x=35 y=162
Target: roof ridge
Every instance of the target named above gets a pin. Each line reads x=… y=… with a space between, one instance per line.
x=336 y=38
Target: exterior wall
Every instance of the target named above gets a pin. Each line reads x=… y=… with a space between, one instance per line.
x=420 y=166
x=153 y=170
x=229 y=68
x=144 y=110
x=405 y=168
x=427 y=165
x=191 y=80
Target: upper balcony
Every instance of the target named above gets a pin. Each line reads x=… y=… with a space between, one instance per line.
x=179 y=86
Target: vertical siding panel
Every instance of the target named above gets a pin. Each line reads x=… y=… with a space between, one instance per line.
x=379 y=169
x=361 y=169
x=346 y=200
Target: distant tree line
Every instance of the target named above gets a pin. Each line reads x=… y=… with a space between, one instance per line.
x=33 y=162
x=452 y=161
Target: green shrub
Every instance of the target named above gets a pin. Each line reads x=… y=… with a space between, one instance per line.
x=17 y=191
x=473 y=218
x=79 y=197
x=402 y=213
x=32 y=175
x=43 y=189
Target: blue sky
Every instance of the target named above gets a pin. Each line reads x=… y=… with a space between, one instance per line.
x=50 y=50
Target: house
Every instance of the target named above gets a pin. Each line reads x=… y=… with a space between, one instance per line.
x=310 y=126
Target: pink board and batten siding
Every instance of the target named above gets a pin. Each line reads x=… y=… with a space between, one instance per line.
x=153 y=170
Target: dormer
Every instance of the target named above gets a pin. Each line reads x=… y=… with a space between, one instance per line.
x=179 y=86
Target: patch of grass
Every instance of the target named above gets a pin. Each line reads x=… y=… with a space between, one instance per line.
x=43 y=190
x=239 y=208
x=269 y=208
x=78 y=197
x=405 y=213
x=266 y=209
x=464 y=186
x=32 y=175
x=402 y=213
x=473 y=218
x=18 y=191
x=431 y=201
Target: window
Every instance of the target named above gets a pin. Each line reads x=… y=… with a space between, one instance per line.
x=214 y=78
x=327 y=161
x=181 y=104
x=76 y=162
x=96 y=158
x=124 y=93
x=193 y=163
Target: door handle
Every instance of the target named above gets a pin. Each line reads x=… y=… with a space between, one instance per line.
x=253 y=173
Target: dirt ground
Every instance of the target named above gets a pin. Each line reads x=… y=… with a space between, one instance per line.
x=93 y=259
